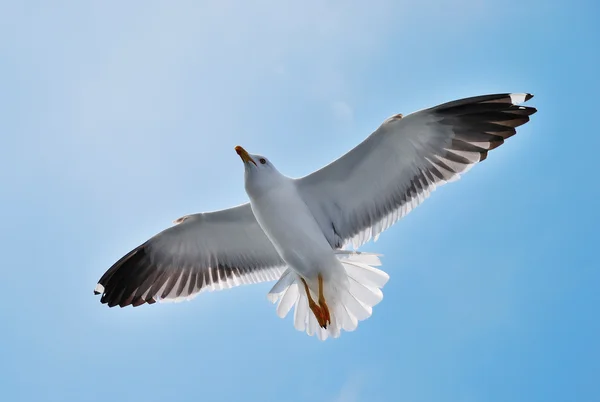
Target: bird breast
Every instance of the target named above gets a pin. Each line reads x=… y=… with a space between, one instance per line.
x=291 y=227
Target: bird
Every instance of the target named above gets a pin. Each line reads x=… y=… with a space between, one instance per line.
x=305 y=232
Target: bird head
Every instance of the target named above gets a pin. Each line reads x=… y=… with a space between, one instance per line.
x=259 y=172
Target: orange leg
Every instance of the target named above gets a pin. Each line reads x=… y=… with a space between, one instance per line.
x=323 y=303
x=321 y=310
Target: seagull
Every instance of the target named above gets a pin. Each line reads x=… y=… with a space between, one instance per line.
x=304 y=232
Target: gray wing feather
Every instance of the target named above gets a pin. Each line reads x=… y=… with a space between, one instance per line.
x=367 y=190
x=207 y=251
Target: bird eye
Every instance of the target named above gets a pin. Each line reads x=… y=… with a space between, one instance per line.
x=263 y=160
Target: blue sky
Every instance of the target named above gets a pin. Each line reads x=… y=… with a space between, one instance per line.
x=118 y=117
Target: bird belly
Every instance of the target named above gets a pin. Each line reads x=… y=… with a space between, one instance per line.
x=295 y=234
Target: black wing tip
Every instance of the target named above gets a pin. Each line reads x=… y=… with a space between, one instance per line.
x=483 y=157
x=491 y=102
x=111 y=287
x=135 y=303
x=490 y=119
x=530 y=109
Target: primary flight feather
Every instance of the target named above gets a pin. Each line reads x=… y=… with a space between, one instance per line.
x=296 y=230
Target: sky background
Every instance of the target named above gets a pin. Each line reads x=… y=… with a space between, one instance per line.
x=119 y=117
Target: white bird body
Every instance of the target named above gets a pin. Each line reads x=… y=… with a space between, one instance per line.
x=291 y=227
x=296 y=230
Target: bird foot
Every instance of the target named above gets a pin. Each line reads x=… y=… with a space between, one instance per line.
x=325 y=311
x=321 y=314
x=321 y=310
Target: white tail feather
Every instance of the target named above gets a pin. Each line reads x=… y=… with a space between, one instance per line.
x=350 y=299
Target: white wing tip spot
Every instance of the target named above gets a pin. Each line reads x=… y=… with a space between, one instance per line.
x=519 y=98
x=99 y=289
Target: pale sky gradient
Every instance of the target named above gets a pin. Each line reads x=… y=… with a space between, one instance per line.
x=119 y=117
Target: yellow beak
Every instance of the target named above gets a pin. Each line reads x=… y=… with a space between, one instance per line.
x=244 y=155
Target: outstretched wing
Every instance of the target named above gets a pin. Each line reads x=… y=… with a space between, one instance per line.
x=367 y=190
x=213 y=250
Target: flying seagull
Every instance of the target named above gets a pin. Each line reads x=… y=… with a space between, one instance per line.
x=299 y=231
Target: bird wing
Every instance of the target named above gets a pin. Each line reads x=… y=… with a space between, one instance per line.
x=371 y=187
x=214 y=250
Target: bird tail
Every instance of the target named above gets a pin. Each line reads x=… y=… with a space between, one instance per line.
x=350 y=297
